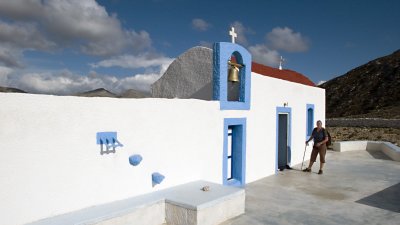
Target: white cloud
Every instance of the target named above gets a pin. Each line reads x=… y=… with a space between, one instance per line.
x=10 y=56
x=86 y=26
x=263 y=55
x=4 y=72
x=206 y=44
x=200 y=24
x=321 y=82
x=23 y=35
x=288 y=40
x=140 y=82
x=134 y=62
x=65 y=82
x=21 y=9
x=68 y=22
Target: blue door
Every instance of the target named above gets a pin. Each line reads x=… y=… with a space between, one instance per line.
x=282 y=141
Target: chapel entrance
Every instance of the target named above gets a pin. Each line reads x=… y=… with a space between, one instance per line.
x=283 y=140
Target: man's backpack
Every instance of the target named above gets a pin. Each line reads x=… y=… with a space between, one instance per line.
x=329 y=139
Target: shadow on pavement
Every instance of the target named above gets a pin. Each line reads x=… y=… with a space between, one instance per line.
x=378 y=155
x=388 y=199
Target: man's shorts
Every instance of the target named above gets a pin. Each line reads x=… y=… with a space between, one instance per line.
x=321 y=150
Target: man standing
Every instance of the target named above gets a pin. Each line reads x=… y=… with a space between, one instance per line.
x=320 y=137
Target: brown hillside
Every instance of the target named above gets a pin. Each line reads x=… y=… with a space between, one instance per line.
x=372 y=89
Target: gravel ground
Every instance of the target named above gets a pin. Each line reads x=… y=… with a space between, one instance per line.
x=365 y=133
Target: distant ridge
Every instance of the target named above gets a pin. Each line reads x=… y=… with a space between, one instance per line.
x=131 y=93
x=100 y=92
x=11 y=90
x=370 y=90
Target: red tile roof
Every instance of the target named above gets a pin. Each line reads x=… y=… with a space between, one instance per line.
x=288 y=75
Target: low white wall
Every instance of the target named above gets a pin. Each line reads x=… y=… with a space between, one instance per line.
x=51 y=163
x=391 y=150
x=345 y=146
x=388 y=148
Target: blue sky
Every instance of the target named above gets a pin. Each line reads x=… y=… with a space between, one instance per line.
x=69 y=46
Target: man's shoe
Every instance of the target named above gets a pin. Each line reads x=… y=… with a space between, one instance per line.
x=307 y=170
x=320 y=172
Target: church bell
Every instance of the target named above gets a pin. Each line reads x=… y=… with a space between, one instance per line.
x=233 y=74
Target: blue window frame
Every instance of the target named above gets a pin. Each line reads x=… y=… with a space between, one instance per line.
x=234 y=152
x=310 y=119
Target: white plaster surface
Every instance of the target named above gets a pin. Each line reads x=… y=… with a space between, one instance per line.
x=51 y=164
x=388 y=148
x=223 y=211
x=151 y=215
x=345 y=146
x=192 y=197
x=188 y=204
x=183 y=204
x=268 y=93
x=391 y=150
x=180 y=215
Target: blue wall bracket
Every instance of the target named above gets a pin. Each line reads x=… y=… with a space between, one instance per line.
x=157 y=178
x=135 y=160
x=109 y=140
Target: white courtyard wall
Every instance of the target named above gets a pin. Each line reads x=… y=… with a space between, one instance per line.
x=50 y=163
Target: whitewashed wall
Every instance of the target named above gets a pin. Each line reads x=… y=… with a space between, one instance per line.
x=50 y=163
x=268 y=93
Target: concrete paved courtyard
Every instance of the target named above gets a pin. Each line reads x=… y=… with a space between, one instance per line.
x=357 y=187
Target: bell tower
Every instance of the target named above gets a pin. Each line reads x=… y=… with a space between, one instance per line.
x=231 y=75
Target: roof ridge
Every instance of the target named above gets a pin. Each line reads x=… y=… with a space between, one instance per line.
x=286 y=74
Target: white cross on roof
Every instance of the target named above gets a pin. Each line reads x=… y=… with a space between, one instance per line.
x=233 y=34
x=281 y=62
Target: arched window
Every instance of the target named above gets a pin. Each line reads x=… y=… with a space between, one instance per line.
x=310 y=119
x=234 y=76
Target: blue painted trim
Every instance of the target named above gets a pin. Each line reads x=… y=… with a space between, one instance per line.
x=238 y=152
x=308 y=122
x=221 y=54
x=287 y=110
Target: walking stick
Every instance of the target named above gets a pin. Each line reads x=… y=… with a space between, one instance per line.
x=305 y=148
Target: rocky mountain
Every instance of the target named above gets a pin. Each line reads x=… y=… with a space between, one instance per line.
x=371 y=90
x=131 y=93
x=11 y=90
x=100 y=92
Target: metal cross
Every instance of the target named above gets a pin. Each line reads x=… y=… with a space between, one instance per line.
x=233 y=34
x=281 y=62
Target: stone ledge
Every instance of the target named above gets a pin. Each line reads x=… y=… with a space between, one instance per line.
x=183 y=204
x=388 y=148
